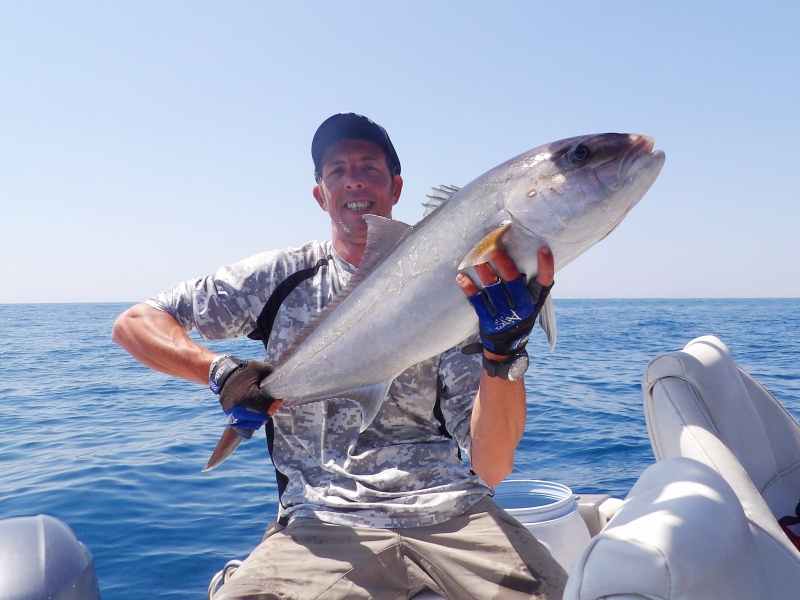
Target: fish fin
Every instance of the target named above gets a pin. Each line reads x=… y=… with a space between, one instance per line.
x=438 y=196
x=382 y=235
x=483 y=250
x=547 y=319
x=369 y=399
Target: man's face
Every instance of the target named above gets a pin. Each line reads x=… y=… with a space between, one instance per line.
x=356 y=181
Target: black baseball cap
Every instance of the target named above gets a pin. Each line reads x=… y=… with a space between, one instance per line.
x=351 y=126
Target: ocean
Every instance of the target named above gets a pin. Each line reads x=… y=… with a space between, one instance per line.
x=115 y=450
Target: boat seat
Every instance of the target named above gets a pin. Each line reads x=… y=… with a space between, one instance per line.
x=699 y=404
x=682 y=534
x=701 y=522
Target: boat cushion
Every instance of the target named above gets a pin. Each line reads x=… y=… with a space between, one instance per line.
x=681 y=535
x=699 y=404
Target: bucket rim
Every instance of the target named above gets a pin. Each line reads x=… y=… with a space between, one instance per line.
x=551 y=485
x=563 y=503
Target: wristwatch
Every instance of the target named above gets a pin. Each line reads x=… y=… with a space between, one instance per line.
x=511 y=370
x=222 y=368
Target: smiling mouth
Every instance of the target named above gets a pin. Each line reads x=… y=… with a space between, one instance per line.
x=358 y=206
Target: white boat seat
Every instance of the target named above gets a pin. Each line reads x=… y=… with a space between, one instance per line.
x=701 y=523
x=699 y=404
x=681 y=534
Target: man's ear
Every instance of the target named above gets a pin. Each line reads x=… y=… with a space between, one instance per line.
x=319 y=196
x=398 y=187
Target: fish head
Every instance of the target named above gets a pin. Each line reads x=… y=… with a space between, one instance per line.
x=576 y=191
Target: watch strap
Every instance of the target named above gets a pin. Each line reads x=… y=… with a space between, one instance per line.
x=221 y=369
x=503 y=370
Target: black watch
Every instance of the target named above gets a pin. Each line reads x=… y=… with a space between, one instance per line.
x=221 y=369
x=511 y=370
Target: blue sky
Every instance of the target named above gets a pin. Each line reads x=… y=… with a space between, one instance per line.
x=143 y=143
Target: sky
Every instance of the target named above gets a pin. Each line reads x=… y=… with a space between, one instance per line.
x=144 y=143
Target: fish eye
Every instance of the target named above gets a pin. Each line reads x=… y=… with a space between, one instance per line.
x=579 y=154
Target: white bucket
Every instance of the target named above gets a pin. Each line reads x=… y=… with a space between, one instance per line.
x=550 y=512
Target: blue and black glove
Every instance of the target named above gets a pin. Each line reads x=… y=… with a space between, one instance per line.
x=507 y=312
x=237 y=384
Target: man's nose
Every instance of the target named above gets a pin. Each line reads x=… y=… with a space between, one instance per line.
x=354 y=180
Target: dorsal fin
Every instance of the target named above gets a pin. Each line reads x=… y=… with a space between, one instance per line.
x=382 y=235
x=438 y=196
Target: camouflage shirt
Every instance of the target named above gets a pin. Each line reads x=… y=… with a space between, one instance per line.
x=405 y=469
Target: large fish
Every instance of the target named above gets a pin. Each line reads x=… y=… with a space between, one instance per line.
x=403 y=304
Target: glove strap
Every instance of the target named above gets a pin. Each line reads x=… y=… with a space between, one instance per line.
x=245 y=421
x=221 y=369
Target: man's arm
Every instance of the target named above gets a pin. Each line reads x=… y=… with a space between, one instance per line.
x=498 y=421
x=499 y=412
x=154 y=338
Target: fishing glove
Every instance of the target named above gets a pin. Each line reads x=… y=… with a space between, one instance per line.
x=507 y=312
x=237 y=383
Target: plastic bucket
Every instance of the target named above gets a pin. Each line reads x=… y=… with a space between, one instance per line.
x=550 y=512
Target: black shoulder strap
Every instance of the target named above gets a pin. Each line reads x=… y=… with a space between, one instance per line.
x=263 y=329
x=266 y=319
x=439 y=414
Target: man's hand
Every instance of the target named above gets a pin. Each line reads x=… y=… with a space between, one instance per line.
x=237 y=382
x=506 y=310
x=498 y=414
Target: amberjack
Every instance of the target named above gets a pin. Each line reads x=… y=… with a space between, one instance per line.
x=403 y=305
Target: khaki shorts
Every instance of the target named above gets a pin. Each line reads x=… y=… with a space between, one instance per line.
x=484 y=553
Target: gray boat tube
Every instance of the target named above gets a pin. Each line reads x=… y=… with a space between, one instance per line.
x=40 y=557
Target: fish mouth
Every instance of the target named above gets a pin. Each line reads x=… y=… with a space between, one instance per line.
x=615 y=174
x=639 y=160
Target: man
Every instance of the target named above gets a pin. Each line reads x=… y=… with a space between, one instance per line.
x=392 y=510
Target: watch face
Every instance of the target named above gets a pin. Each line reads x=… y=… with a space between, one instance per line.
x=518 y=367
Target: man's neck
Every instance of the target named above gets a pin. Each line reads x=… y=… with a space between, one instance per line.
x=352 y=253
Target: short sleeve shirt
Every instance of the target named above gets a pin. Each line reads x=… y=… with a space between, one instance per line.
x=405 y=469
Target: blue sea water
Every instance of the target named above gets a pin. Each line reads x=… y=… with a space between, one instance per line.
x=115 y=450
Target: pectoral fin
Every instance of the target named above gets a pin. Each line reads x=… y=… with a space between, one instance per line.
x=547 y=319
x=485 y=249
